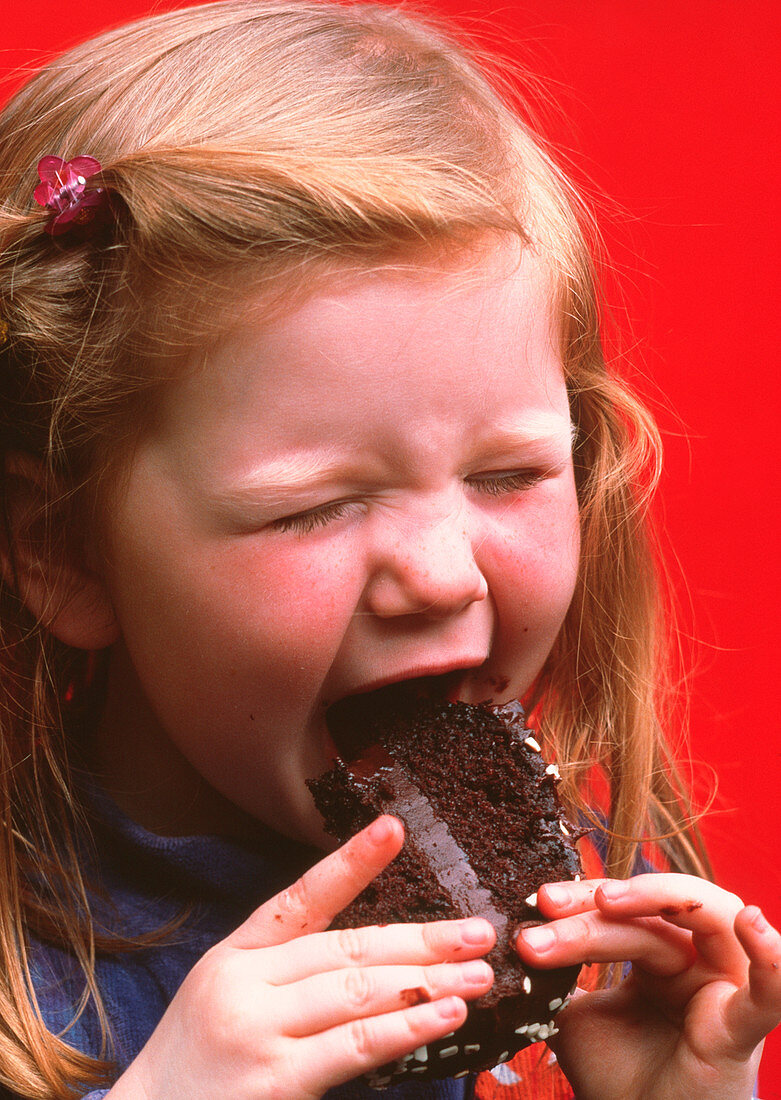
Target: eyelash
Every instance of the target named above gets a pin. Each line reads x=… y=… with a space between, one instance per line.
x=303 y=523
x=499 y=484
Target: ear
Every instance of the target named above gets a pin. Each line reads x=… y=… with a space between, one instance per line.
x=50 y=575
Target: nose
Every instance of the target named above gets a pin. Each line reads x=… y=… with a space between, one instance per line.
x=428 y=567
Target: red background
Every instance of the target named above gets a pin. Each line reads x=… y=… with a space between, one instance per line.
x=668 y=108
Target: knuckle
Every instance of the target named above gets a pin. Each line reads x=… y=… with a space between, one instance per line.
x=436 y=938
x=295 y=900
x=582 y=929
x=351 y=943
x=358 y=988
x=360 y=1036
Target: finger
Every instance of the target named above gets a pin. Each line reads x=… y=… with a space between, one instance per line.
x=560 y=899
x=655 y=946
x=694 y=904
x=336 y=998
x=361 y=1045
x=410 y=944
x=755 y=1008
x=312 y=902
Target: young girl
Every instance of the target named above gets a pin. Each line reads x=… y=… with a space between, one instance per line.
x=302 y=396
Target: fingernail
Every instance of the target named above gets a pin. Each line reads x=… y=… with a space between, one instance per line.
x=559 y=896
x=613 y=890
x=380 y=830
x=540 y=939
x=475 y=930
x=759 y=920
x=476 y=972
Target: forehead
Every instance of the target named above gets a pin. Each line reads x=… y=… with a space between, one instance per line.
x=377 y=334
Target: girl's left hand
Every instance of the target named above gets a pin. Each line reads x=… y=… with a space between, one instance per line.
x=704 y=990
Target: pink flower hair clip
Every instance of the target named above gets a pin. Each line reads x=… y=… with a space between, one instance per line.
x=63 y=191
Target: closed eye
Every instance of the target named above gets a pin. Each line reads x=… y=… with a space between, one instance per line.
x=499 y=483
x=495 y=484
x=303 y=522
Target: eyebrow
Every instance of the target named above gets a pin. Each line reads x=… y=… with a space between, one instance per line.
x=276 y=481
x=537 y=429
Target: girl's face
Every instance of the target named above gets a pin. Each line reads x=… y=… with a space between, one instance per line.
x=376 y=487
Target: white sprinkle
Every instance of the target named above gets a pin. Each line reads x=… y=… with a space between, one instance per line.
x=532 y=900
x=503 y=1057
x=555 y=1003
x=463 y=1073
x=522 y=1029
x=471 y=1048
x=408 y=1057
x=553 y=770
x=81 y=180
x=532 y=1030
x=418 y=1069
x=448 y=1052
x=380 y=1082
x=449 y=1035
x=533 y=743
x=527 y=984
x=420 y=1054
x=553 y=1031
x=577 y=878
x=544 y=1031
x=564 y=828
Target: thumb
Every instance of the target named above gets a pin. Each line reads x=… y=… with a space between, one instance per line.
x=311 y=903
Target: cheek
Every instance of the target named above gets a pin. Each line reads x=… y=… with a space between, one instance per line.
x=535 y=563
x=301 y=594
x=534 y=580
x=273 y=614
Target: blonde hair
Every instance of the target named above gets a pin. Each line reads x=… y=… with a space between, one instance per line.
x=268 y=136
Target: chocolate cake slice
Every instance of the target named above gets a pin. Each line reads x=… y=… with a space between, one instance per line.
x=484 y=829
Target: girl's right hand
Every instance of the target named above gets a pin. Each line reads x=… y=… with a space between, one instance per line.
x=284 y=1008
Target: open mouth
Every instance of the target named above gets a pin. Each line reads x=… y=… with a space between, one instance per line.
x=359 y=712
